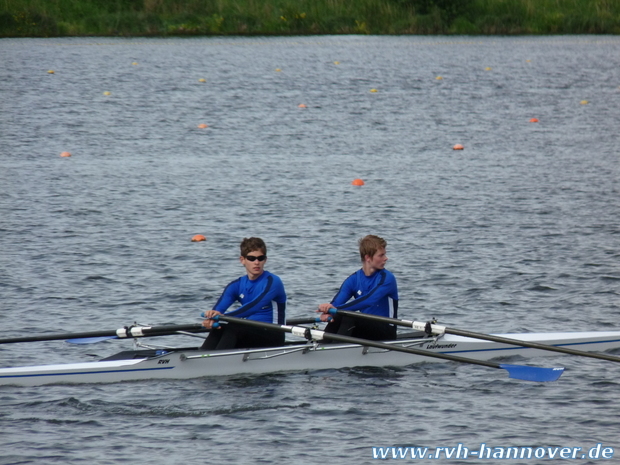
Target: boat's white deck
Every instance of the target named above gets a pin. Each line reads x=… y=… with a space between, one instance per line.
x=70 y=366
x=548 y=338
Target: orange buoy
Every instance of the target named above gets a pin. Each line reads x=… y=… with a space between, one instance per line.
x=202 y=126
x=534 y=120
x=301 y=105
x=357 y=182
x=65 y=154
x=458 y=147
x=199 y=238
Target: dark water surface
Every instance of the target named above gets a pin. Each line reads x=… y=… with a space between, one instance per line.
x=520 y=231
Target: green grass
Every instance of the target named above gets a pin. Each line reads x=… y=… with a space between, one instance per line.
x=52 y=18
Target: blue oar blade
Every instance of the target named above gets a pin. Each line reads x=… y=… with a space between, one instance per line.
x=527 y=373
x=90 y=340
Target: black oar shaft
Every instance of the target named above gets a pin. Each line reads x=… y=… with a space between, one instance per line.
x=488 y=337
x=362 y=342
x=128 y=332
x=407 y=350
x=532 y=345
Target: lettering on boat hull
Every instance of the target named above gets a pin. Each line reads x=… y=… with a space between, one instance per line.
x=441 y=346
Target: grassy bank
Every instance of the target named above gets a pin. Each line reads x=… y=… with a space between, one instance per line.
x=51 y=18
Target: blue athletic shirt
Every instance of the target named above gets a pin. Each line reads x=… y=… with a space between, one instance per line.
x=263 y=299
x=376 y=294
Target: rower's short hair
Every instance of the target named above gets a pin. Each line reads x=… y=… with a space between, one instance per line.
x=370 y=244
x=250 y=244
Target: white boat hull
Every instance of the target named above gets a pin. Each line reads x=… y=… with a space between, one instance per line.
x=192 y=363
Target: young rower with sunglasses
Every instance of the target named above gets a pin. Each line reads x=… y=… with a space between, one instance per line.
x=372 y=289
x=262 y=298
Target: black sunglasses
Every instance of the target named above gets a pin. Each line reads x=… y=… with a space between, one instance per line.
x=260 y=258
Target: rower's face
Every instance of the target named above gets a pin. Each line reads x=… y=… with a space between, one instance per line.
x=379 y=259
x=253 y=266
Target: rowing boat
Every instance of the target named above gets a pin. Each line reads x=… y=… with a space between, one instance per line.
x=185 y=363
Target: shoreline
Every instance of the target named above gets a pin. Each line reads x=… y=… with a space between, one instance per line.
x=177 y=18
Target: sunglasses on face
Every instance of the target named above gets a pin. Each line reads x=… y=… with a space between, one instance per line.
x=260 y=258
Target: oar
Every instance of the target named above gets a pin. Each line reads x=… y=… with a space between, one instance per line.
x=527 y=373
x=126 y=332
x=437 y=329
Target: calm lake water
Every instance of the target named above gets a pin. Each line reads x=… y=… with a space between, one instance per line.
x=520 y=231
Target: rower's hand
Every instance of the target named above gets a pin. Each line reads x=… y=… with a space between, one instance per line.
x=324 y=308
x=208 y=322
x=326 y=318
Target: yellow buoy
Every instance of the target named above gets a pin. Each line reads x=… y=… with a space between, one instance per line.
x=135 y=63
x=584 y=102
x=51 y=71
x=107 y=93
x=373 y=90
x=278 y=70
x=438 y=78
x=336 y=62
x=487 y=69
x=202 y=80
